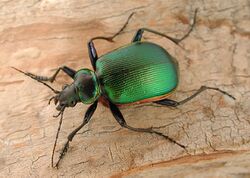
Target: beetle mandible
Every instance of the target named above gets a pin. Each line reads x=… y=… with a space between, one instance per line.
x=139 y=72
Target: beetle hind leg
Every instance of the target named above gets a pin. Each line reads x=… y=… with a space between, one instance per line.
x=172 y=103
x=119 y=117
x=139 y=33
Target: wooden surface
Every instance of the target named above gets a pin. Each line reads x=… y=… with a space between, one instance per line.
x=40 y=35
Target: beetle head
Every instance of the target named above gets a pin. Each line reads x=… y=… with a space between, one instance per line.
x=85 y=89
x=68 y=97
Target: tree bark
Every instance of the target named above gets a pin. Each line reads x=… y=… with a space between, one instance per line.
x=39 y=36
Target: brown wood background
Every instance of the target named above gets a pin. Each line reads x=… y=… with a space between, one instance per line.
x=41 y=35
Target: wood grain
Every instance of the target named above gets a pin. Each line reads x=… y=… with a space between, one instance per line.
x=40 y=35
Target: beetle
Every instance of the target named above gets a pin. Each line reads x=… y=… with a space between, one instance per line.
x=140 y=72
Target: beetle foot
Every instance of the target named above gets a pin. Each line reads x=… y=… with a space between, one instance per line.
x=62 y=154
x=170 y=139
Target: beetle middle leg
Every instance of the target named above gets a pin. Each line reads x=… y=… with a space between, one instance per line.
x=119 y=117
x=139 y=33
x=172 y=103
x=91 y=47
x=86 y=119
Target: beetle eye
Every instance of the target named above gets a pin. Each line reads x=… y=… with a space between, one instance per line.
x=64 y=86
x=73 y=103
x=76 y=89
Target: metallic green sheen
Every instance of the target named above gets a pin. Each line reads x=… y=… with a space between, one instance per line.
x=135 y=72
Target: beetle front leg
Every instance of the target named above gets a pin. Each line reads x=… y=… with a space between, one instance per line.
x=119 y=118
x=139 y=33
x=70 y=72
x=86 y=119
x=172 y=103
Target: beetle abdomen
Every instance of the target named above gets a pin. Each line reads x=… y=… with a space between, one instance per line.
x=137 y=72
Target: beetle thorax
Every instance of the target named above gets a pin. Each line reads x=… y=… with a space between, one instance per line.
x=87 y=86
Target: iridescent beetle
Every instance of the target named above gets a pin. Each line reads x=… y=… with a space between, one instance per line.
x=139 y=72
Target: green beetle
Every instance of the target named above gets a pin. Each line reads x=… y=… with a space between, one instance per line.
x=136 y=73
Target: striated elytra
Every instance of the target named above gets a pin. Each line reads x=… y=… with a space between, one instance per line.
x=143 y=72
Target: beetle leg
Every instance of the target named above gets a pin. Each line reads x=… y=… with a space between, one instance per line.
x=172 y=103
x=70 y=72
x=119 y=118
x=92 y=53
x=86 y=119
x=91 y=48
x=167 y=102
x=139 y=33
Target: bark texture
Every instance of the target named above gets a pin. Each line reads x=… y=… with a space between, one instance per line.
x=40 y=35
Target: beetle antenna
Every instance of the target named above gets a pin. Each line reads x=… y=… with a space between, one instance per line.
x=57 y=134
x=33 y=77
x=60 y=113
